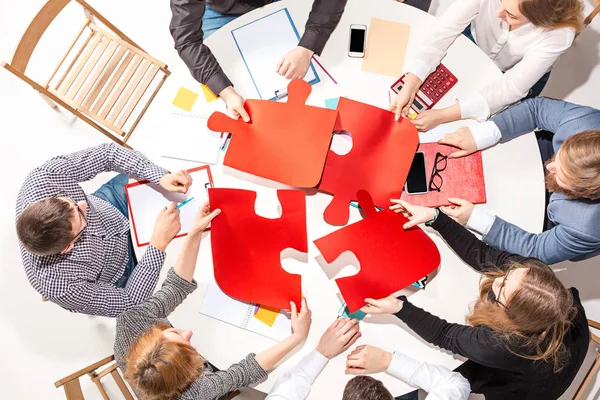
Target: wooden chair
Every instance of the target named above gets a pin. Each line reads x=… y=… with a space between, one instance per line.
x=105 y=78
x=589 y=377
x=72 y=386
x=593 y=14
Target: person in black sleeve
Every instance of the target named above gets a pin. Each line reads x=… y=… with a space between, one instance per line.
x=527 y=335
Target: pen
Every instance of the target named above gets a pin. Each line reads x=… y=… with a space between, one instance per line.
x=184 y=203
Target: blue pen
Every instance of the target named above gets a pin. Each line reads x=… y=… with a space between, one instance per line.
x=184 y=203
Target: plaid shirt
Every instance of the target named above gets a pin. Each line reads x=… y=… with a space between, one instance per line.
x=82 y=280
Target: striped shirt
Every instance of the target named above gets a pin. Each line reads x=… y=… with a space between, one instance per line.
x=82 y=280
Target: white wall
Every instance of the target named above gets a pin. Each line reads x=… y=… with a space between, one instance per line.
x=42 y=342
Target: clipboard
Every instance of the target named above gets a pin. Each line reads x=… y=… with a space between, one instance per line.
x=261 y=44
x=146 y=199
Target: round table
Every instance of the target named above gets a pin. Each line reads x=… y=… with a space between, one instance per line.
x=514 y=184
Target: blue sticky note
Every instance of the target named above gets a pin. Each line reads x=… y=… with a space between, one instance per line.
x=332 y=103
x=359 y=315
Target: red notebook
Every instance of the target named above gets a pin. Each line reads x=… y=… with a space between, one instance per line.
x=462 y=178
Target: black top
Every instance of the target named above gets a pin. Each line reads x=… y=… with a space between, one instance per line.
x=492 y=369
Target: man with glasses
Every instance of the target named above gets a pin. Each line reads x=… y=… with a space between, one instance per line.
x=76 y=248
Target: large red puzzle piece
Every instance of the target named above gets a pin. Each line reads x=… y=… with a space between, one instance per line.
x=391 y=258
x=462 y=178
x=379 y=161
x=284 y=142
x=246 y=248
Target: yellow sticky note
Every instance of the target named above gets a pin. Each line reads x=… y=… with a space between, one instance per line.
x=185 y=99
x=267 y=315
x=208 y=94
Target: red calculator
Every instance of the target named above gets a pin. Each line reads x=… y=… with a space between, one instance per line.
x=437 y=84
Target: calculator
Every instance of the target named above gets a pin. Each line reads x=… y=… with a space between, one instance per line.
x=436 y=85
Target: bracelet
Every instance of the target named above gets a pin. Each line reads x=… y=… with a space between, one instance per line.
x=437 y=212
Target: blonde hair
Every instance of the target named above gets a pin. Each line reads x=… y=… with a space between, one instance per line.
x=160 y=368
x=580 y=162
x=554 y=14
x=537 y=315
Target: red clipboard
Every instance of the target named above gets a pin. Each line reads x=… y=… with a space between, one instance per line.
x=139 y=238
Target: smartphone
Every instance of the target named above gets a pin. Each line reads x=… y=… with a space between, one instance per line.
x=416 y=182
x=358 y=35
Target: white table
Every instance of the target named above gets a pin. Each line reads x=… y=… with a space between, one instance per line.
x=514 y=183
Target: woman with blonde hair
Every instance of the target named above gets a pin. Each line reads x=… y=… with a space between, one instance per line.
x=159 y=361
x=527 y=335
x=524 y=38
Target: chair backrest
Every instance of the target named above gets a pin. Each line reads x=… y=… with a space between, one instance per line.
x=72 y=385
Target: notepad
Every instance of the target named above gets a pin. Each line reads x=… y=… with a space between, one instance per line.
x=262 y=43
x=386 y=47
x=218 y=305
x=185 y=99
x=146 y=200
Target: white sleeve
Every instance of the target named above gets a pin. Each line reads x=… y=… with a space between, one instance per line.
x=435 y=44
x=295 y=383
x=437 y=380
x=480 y=221
x=517 y=81
x=486 y=134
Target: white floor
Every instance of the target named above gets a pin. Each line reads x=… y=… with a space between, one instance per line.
x=41 y=342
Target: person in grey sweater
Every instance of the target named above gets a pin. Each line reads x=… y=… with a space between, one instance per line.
x=159 y=361
x=187 y=30
x=569 y=140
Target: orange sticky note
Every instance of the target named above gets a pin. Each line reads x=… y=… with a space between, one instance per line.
x=185 y=99
x=267 y=315
x=386 y=47
x=208 y=94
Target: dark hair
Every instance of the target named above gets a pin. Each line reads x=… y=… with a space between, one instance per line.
x=44 y=228
x=364 y=387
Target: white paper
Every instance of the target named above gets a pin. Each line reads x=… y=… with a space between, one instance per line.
x=146 y=202
x=218 y=305
x=262 y=43
x=186 y=137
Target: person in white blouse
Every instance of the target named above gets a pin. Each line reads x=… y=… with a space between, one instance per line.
x=524 y=38
x=437 y=380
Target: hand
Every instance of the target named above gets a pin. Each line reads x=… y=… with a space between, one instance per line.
x=463 y=139
x=418 y=214
x=368 y=360
x=428 y=119
x=387 y=305
x=295 y=63
x=300 y=320
x=203 y=218
x=235 y=104
x=179 y=181
x=406 y=96
x=342 y=334
x=166 y=227
x=461 y=210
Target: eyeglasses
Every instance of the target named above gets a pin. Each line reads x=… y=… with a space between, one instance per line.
x=435 y=180
x=497 y=299
x=82 y=217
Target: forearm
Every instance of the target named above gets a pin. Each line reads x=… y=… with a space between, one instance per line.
x=450 y=114
x=186 y=263
x=322 y=21
x=143 y=279
x=269 y=358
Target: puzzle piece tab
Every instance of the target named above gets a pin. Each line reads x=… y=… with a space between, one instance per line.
x=390 y=257
x=246 y=248
x=284 y=142
x=379 y=161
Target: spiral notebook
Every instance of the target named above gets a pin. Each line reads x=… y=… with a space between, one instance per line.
x=249 y=316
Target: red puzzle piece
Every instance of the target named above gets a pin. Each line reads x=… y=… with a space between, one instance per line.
x=284 y=142
x=462 y=178
x=246 y=248
x=379 y=161
x=390 y=257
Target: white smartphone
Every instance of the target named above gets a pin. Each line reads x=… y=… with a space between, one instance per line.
x=416 y=182
x=358 y=36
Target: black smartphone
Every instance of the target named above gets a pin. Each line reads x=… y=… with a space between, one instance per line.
x=416 y=182
x=358 y=35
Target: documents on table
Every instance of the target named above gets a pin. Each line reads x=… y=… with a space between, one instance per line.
x=262 y=43
x=386 y=47
x=146 y=200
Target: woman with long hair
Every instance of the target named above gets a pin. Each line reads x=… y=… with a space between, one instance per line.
x=527 y=335
x=524 y=38
x=159 y=361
